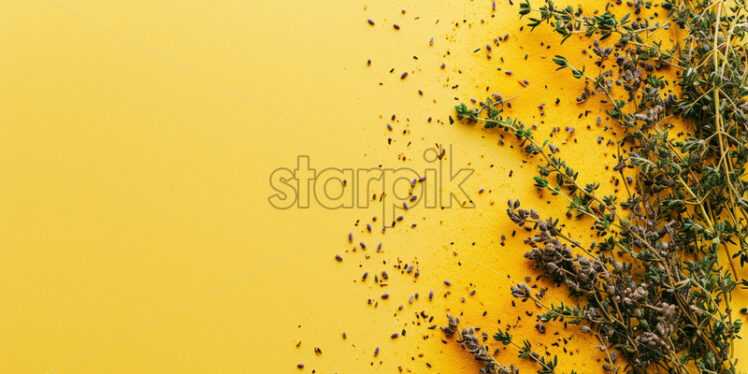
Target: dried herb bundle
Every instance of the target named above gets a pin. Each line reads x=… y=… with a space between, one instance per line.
x=654 y=288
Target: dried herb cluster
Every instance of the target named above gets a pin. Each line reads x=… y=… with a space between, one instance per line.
x=653 y=288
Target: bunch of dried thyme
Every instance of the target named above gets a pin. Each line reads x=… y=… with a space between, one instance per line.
x=656 y=288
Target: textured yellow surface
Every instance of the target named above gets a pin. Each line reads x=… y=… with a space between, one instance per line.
x=136 y=143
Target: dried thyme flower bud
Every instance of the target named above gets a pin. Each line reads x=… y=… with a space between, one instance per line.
x=521 y=291
x=451 y=328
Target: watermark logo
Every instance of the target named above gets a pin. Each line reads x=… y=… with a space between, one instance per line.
x=438 y=185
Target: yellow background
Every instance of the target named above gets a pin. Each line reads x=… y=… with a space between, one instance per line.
x=136 y=143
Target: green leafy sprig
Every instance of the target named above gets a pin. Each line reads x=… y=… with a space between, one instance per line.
x=654 y=287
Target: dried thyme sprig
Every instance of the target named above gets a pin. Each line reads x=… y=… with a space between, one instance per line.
x=472 y=344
